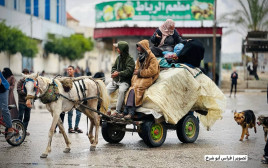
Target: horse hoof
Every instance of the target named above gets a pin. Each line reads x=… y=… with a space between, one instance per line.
x=92 y=148
x=67 y=150
x=43 y=155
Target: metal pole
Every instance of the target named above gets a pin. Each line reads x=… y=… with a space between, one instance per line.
x=214 y=43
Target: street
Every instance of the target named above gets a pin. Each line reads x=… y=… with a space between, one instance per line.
x=222 y=139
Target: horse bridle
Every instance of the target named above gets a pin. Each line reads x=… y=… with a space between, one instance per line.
x=36 y=88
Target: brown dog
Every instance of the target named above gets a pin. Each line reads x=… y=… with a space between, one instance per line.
x=264 y=122
x=247 y=120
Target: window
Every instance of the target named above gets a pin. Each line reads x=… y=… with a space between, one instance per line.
x=28 y=7
x=36 y=8
x=15 y=4
x=2 y=2
x=47 y=9
x=58 y=12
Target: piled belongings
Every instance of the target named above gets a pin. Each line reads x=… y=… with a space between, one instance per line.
x=191 y=53
x=180 y=90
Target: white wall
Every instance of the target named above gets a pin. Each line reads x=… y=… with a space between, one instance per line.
x=53 y=10
x=40 y=27
x=42 y=9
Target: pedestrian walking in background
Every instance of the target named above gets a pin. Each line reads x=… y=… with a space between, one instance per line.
x=7 y=73
x=43 y=73
x=234 y=77
x=73 y=73
x=24 y=111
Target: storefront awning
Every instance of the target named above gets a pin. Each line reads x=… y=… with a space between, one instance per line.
x=141 y=31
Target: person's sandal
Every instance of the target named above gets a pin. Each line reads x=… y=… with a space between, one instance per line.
x=78 y=130
x=9 y=134
x=264 y=160
x=71 y=130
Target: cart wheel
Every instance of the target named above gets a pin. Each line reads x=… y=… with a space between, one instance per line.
x=112 y=133
x=153 y=135
x=188 y=129
x=140 y=135
x=19 y=135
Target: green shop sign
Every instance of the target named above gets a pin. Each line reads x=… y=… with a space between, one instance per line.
x=155 y=10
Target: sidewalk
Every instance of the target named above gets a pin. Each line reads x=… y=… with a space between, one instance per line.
x=248 y=84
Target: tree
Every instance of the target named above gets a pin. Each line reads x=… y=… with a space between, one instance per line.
x=12 y=40
x=72 y=47
x=252 y=16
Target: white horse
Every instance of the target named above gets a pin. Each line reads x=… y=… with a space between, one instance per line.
x=94 y=88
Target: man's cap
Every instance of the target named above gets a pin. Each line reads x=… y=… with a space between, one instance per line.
x=119 y=42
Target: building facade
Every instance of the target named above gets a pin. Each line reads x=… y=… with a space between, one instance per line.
x=35 y=18
x=136 y=20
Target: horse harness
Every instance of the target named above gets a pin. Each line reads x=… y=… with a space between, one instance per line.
x=83 y=89
x=52 y=94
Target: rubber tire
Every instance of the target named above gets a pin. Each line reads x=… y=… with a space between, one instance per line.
x=140 y=135
x=110 y=135
x=181 y=132
x=17 y=139
x=147 y=137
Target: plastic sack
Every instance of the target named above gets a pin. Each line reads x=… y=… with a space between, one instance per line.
x=178 y=48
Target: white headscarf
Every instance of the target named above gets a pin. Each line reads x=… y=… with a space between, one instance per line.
x=165 y=30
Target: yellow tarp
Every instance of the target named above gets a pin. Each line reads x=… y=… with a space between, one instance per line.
x=177 y=91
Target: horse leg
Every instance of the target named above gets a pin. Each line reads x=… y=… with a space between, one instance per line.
x=97 y=125
x=90 y=133
x=50 y=134
x=67 y=149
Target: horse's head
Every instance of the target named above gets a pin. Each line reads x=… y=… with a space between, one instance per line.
x=30 y=87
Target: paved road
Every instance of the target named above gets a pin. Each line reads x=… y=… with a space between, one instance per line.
x=222 y=139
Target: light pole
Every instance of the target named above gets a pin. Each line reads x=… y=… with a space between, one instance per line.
x=214 y=43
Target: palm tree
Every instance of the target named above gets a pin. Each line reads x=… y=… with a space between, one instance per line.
x=252 y=16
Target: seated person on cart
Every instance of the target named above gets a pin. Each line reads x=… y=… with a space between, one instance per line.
x=146 y=72
x=165 y=38
x=122 y=71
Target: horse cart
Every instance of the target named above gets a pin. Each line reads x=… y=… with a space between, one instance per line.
x=175 y=105
x=152 y=131
x=166 y=97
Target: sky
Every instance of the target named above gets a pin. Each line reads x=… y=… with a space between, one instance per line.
x=83 y=10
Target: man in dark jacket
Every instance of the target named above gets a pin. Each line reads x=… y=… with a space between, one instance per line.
x=24 y=111
x=122 y=71
x=234 y=77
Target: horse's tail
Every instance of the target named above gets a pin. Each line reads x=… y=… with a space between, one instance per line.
x=104 y=96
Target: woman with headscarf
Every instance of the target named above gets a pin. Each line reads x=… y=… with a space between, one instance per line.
x=7 y=73
x=165 y=38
